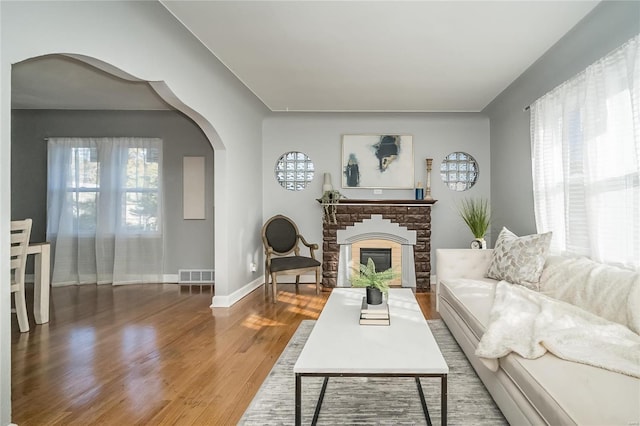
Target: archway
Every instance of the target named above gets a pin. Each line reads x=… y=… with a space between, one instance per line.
x=110 y=103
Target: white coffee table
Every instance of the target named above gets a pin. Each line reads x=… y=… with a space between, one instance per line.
x=339 y=346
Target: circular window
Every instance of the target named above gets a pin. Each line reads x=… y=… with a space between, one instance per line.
x=294 y=170
x=459 y=171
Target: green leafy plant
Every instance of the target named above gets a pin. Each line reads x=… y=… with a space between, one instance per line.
x=367 y=276
x=329 y=202
x=476 y=214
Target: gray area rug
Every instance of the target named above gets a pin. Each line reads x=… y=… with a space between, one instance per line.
x=373 y=401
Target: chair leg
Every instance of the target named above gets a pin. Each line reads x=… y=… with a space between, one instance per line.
x=275 y=288
x=297 y=281
x=266 y=281
x=21 y=310
x=317 y=281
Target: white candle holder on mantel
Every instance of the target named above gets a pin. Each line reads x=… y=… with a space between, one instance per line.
x=427 y=195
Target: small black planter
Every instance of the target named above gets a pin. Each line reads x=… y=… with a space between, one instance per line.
x=374 y=296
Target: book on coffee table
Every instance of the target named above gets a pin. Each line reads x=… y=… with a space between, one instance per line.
x=374 y=314
x=373 y=321
x=374 y=309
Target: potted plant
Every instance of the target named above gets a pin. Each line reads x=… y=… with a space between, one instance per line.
x=477 y=216
x=329 y=202
x=375 y=282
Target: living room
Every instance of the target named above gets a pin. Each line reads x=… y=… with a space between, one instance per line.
x=143 y=41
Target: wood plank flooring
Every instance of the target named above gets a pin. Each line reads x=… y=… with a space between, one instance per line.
x=153 y=354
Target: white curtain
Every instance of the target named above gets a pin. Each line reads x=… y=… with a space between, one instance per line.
x=104 y=210
x=586 y=160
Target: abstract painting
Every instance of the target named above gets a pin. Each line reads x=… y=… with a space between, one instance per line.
x=377 y=161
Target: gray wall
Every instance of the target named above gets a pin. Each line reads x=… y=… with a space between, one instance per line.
x=189 y=243
x=607 y=27
x=142 y=40
x=319 y=135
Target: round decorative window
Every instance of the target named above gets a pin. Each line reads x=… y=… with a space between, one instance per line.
x=294 y=170
x=459 y=171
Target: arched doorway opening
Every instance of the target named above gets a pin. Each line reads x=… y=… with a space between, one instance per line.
x=76 y=96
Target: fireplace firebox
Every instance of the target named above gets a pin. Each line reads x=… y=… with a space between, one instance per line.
x=381 y=257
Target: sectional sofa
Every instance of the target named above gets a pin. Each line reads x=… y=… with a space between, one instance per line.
x=546 y=390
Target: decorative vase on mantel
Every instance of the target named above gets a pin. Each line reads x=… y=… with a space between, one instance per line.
x=327 y=185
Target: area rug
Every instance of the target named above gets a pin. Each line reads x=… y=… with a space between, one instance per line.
x=373 y=401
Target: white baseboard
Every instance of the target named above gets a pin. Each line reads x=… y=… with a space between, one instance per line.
x=230 y=300
x=166 y=278
x=169 y=278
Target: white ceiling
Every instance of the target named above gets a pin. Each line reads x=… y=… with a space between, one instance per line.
x=378 y=55
x=336 y=55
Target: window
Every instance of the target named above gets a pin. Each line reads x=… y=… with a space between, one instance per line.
x=459 y=171
x=586 y=160
x=83 y=187
x=104 y=209
x=139 y=188
x=140 y=208
x=294 y=170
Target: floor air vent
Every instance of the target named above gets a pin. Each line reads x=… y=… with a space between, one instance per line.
x=196 y=276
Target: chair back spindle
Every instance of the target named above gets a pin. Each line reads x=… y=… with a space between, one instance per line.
x=20 y=235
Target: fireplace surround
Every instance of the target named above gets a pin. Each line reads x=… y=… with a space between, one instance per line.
x=407 y=222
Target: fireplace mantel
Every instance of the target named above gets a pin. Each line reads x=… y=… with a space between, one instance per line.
x=414 y=215
x=384 y=202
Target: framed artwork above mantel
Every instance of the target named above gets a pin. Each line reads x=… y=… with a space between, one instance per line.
x=382 y=161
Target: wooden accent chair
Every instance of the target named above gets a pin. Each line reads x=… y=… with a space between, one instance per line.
x=20 y=234
x=281 y=238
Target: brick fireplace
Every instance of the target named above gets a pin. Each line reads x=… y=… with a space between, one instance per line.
x=412 y=220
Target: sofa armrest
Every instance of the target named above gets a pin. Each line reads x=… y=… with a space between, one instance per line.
x=462 y=263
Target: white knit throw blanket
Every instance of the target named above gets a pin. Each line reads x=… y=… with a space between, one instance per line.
x=530 y=324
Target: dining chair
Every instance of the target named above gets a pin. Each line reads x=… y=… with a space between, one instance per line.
x=281 y=240
x=20 y=234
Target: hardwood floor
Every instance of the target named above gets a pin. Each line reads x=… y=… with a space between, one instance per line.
x=153 y=354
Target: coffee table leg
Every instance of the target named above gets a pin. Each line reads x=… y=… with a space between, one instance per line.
x=443 y=399
x=298 y=400
x=316 y=414
x=423 y=401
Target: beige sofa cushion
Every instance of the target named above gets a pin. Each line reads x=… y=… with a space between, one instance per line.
x=471 y=299
x=566 y=392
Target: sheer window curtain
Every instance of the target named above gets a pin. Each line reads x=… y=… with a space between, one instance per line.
x=104 y=210
x=586 y=160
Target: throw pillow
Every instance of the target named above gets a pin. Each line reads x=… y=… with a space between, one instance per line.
x=519 y=260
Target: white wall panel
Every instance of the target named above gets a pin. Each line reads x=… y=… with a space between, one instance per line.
x=193 y=192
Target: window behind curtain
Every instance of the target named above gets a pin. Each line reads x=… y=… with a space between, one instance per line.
x=140 y=209
x=104 y=214
x=586 y=160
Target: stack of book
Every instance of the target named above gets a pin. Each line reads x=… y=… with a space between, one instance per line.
x=374 y=314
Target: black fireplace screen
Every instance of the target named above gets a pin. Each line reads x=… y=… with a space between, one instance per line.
x=381 y=257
